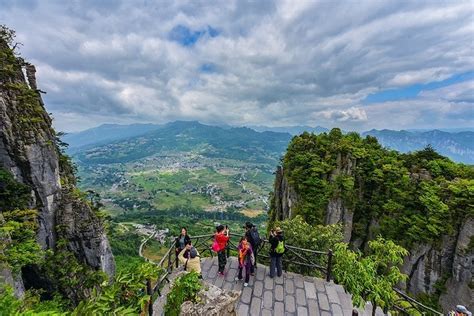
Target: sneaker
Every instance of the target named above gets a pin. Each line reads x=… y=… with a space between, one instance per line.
x=220 y=273
x=237 y=279
x=252 y=274
x=246 y=284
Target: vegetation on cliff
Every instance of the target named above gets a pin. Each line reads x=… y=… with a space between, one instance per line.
x=63 y=275
x=412 y=199
x=408 y=198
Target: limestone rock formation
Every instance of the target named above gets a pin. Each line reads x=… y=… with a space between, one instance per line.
x=29 y=151
x=449 y=264
x=212 y=301
x=285 y=197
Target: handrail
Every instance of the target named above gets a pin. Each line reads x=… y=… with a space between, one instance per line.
x=169 y=260
x=413 y=301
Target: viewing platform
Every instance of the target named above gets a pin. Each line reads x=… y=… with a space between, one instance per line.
x=290 y=294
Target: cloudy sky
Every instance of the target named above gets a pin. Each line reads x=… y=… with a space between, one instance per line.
x=353 y=64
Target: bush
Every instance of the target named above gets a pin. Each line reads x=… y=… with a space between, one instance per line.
x=299 y=233
x=370 y=278
x=185 y=288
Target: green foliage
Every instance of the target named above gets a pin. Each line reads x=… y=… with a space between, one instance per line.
x=299 y=233
x=415 y=197
x=73 y=279
x=13 y=194
x=185 y=288
x=371 y=277
x=18 y=234
x=29 y=305
x=125 y=296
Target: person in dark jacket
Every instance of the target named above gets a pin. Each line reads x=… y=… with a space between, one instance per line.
x=249 y=227
x=276 y=251
x=180 y=243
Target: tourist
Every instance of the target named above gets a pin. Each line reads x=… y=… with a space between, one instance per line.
x=246 y=259
x=251 y=233
x=220 y=244
x=189 y=257
x=460 y=311
x=277 y=248
x=180 y=242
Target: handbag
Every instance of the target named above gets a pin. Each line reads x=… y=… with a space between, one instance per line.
x=215 y=246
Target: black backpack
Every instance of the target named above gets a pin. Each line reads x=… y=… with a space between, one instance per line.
x=256 y=240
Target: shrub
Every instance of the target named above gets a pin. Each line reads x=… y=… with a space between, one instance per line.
x=185 y=288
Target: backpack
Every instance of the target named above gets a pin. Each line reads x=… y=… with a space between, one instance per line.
x=280 y=248
x=256 y=240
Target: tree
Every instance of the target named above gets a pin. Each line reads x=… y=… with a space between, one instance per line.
x=370 y=278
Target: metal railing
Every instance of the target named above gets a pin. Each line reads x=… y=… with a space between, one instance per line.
x=409 y=306
x=305 y=261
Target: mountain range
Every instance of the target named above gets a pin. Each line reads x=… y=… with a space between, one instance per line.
x=458 y=145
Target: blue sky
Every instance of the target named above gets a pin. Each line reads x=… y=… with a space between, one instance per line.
x=355 y=65
x=412 y=91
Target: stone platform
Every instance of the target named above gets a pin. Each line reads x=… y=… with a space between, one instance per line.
x=291 y=294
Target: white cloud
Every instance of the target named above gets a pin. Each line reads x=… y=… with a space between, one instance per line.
x=273 y=63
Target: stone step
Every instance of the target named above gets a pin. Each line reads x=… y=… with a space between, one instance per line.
x=290 y=294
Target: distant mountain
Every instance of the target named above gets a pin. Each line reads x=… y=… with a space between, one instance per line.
x=104 y=134
x=240 y=143
x=141 y=140
x=457 y=146
x=293 y=130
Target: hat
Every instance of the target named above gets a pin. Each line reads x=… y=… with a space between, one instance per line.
x=278 y=230
x=248 y=225
x=193 y=253
x=461 y=309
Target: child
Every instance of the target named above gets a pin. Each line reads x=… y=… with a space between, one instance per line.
x=221 y=238
x=245 y=259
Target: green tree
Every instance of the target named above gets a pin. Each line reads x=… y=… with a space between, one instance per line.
x=370 y=278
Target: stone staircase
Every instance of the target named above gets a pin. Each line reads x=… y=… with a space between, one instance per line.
x=291 y=294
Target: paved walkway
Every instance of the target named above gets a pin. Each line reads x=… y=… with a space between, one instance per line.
x=291 y=294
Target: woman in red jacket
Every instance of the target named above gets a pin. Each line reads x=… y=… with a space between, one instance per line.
x=221 y=238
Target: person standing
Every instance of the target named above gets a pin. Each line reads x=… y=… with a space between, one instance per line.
x=221 y=238
x=251 y=233
x=245 y=259
x=180 y=243
x=277 y=249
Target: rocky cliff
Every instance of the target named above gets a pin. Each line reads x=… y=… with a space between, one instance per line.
x=442 y=266
x=29 y=151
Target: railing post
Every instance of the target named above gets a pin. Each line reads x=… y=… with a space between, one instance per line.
x=170 y=265
x=149 y=291
x=329 y=268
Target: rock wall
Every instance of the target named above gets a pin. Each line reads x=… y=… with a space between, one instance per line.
x=28 y=150
x=213 y=301
x=285 y=197
x=449 y=264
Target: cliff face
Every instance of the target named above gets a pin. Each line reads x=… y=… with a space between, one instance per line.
x=286 y=198
x=447 y=264
x=29 y=151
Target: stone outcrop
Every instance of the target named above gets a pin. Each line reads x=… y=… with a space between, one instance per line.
x=285 y=198
x=29 y=150
x=212 y=301
x=448 y=264
x=337 y=211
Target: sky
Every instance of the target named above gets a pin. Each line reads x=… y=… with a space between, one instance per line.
x=357 y=65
